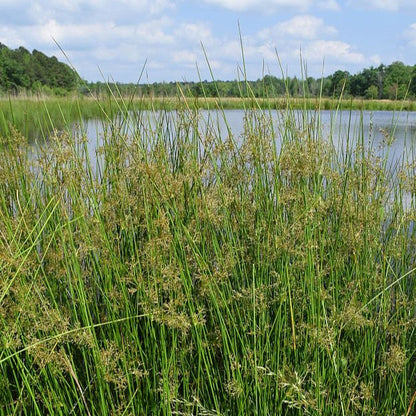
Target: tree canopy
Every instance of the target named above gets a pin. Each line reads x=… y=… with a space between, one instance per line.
x=22 y=70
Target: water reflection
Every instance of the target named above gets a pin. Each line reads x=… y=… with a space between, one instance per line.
x=390 y=134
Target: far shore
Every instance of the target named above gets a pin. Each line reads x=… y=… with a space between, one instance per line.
x=229 y=103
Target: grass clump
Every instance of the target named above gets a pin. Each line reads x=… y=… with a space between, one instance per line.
x=184 y=272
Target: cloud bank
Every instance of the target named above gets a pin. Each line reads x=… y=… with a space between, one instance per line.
x=119 y=36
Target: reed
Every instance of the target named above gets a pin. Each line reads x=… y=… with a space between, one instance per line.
x=178 y=271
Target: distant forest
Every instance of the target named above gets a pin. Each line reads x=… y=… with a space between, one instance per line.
x=22 y=71
x=395 y=81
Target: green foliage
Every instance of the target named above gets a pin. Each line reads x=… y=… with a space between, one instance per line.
x=21 y=70
x=360 y=83
x=339 y=82
x=371 y=92
x=397 y=80
x=184 y=272
x=383 y=82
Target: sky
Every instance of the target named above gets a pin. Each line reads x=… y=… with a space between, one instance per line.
x=174 y=40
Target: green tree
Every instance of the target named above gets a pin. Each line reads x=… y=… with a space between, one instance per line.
x=273 y=86
x=371 y=92
x=340 y=83
x=314 y=86
x=412 y=88
x=397 y=80
x=361 y=82
x=20 y=69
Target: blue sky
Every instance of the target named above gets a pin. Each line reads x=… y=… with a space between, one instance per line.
x=113 y=39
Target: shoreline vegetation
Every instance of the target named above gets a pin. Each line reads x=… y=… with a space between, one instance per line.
x=230 y=103
x=45 y=113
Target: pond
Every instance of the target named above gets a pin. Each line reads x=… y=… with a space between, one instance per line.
x=372 y=128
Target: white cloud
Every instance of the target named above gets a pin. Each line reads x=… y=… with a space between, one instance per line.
x=185 y=57
x=120 y=35
x=65 y=11
x=154 y=32
x=390 y=5
x=411 y=34
x=375 y=59
x=268 y=52
x=261 y=5
x=310 y=38
x=11 y=37
x=81 y=35
x=299 y=27
x=118 y=50
x=266 y=6
x=194 y=32
x=150 y=6
x=340 y=51
x=329 y=5
x=382 y=4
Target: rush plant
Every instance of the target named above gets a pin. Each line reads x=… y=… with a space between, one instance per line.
x=180 y=271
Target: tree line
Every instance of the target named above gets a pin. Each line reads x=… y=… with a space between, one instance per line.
x=22 y=71
x=394 y=81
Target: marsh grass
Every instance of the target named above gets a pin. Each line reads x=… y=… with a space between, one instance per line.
x=184 y=272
